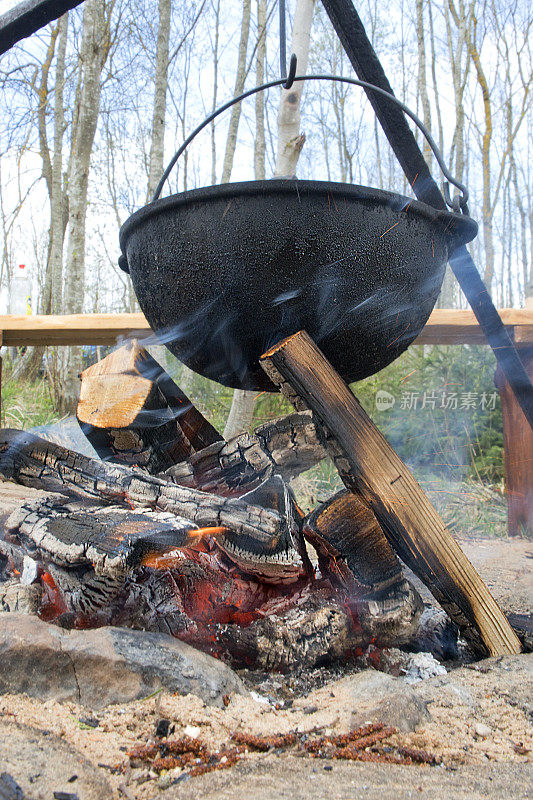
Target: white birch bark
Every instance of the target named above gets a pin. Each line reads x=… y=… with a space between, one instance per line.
x=290 y=141
x=259 y=143
x=58 y=199
x=290 y=144
x=422 y=81
x=157 y=144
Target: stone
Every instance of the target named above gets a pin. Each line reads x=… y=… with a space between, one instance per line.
x=446 y=692
x=482 y=730
x=42 y=765
x=16 y=597
x=105 y=665
x=378 y=697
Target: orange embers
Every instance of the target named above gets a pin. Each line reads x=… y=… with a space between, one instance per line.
x=52 y=603
x=194 y=532
x=199 y=539
x=212 y=591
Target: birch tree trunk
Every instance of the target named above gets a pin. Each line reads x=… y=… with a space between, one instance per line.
x=259 y=144
x=93 y=54
x=58 y=199
x=290 y=141
x=50 y=302
x=231 y=140
x=290 y=144
x=243 y=402
x=459 y=78
x=157 y=146
x=469 y=34
x=422 y=82
x=215 y=94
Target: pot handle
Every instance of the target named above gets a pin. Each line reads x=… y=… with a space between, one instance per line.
x=459 y=203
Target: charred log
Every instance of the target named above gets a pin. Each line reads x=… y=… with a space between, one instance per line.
x=286 y=447
x=133 y=413
x=351 y=546
x=32 y=461
x=322 y=628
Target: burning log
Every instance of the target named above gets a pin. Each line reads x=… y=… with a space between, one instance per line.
x=370 y=468
x=249 y=530
x=286 y=446
x=109 y=565
x=217 y=588
x=133 y=413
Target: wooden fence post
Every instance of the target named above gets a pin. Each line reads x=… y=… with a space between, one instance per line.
x=518 y=442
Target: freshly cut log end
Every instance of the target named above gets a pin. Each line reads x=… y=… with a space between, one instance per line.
x=133 y=413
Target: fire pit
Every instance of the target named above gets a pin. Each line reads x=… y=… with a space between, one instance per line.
x=214 y=548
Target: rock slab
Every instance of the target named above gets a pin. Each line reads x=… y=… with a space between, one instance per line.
x=105 y=665
x=378 y=697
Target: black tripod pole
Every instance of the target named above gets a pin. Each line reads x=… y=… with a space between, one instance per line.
x=366 y=64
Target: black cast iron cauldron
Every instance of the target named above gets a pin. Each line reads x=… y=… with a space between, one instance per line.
x=224 y=272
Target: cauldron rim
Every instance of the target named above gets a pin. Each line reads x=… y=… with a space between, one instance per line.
x=459 y=229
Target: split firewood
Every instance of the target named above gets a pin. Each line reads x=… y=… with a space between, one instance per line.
x=285 y=446
x=266 y=540
x=369 y=467
x=133 y=413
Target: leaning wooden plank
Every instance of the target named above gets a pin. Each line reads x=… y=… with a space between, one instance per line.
x=369 y=466
x=132 y=412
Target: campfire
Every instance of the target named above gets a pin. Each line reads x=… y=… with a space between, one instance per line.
x=173 y=529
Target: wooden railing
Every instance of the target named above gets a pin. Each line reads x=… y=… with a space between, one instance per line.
x=445 y=326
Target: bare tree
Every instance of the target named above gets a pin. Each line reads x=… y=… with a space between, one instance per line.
x=290 y=140
x=422 y=81
x=94 y=51
x=290 y=143
x=157 y=146
x=231 y=140
x=243 y=402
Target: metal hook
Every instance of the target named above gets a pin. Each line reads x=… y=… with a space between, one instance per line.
x=283 y=51
x=292 y=72
x=459 y=202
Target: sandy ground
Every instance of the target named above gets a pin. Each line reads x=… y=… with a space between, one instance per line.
x=477 y=698
x=480 y=727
